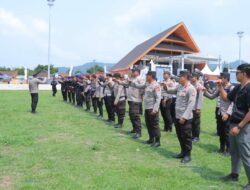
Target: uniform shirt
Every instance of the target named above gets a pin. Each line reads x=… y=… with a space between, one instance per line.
x=199 y=95
x=224 y=106
x=134 y=94
x=99 y=90
x=152 y=95
x=88 y=86
x=108 y=89
x=33 y=84
x=119 y=93
x=93 y=86
x=185 y=100
x=164 y=94
x=63 y=85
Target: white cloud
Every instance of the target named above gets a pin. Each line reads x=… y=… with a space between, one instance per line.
x=40 y=25
x=11 y=23
x=141 y=9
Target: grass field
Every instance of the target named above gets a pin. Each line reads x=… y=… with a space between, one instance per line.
x=63 y=147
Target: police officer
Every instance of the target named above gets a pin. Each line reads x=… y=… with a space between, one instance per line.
x=109 y=98
x=223 y=114
x=166 y=101
x=63 y=88
x=53 y=84
x=93 y=89
x=152 y=100
x=33 y=88
x=120 y=100
x=68 y=88
x=73 y=89
x=185 y=102
x=134 y=97
x=87 y=93
x=239 y=123
x=196 y=122
x=79 y=91
x=99 y=94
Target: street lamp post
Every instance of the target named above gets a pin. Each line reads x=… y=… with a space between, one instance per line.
x=240 y=35
x=50 y=4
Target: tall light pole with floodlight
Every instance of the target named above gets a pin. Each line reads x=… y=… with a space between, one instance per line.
x=240 y=35
x=50 y=4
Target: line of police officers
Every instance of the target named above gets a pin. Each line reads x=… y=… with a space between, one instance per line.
x=179 y=103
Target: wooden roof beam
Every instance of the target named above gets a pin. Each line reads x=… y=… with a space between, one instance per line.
x=171 y=50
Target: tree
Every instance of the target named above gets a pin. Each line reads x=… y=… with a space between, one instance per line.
x=40 y=68
x=5 y=69
x=78 y=72
x=95 y=69
x=20 y=71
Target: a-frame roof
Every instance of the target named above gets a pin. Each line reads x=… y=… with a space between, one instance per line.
x=176 y=39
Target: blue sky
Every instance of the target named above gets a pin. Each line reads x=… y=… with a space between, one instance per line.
x=84 y=30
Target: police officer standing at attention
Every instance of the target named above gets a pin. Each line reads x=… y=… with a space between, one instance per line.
x=134 y=97
x=152 y=100
x=239 y=123
x=33 y=88
x=196 y=122
x=120 y=100
x=109 y=98
x=63 y=89
x=87 y=93
x=166 y=101
x=99 y=94
x=185 y=102
x=53 y=84
x=93 y=89
x=68 y=86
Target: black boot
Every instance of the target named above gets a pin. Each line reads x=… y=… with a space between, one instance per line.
x=157 y=143
x=231 y=177
x=137 y=136
x=150 y=141
x=186 y=158
x=179 y=156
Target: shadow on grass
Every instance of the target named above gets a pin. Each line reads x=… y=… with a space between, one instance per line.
x=209 y=148
x=160 y=150
x=211 y=175
x=208 y=173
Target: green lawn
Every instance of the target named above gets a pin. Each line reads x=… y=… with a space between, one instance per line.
x=63 y=147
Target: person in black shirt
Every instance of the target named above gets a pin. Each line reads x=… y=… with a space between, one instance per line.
x=240 y=124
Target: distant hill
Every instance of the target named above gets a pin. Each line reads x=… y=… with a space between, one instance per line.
x=83 y=68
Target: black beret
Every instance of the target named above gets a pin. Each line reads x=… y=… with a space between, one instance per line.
x=225 y=75
x=152 y=73
x=167 y=72
x=109 y=74
x=136 y=70
x=184 y=73
x=196 y=74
